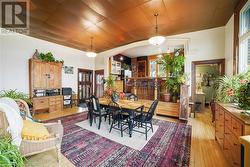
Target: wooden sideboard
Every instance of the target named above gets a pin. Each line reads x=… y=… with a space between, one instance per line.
x=230 y=124
x=45 y=76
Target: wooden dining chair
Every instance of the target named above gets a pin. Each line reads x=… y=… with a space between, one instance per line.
x=96 y=111
x=144 y=119
x=119 y=118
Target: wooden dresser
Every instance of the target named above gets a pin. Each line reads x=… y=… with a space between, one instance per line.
x=45 y=76
x=230 y=124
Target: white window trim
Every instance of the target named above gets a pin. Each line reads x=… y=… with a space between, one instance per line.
x=242 y=64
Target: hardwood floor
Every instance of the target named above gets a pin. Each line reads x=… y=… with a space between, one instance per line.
x=205 y=151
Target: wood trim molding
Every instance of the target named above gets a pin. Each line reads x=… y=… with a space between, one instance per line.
x=193 y=66
x=237 y=10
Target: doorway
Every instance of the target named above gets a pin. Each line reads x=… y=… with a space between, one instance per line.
x=85 y=84
x=99 y=84
x=204 y=74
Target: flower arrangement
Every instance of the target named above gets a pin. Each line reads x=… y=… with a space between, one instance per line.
x=235 y=89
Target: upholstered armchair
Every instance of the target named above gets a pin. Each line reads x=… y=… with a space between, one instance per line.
x=31 y=147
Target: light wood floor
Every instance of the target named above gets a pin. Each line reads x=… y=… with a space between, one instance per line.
x=205 y=151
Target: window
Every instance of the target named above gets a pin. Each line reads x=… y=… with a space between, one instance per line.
x=244 y=38
x=152 y=67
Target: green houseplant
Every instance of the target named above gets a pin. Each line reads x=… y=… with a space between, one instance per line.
x=244 y=96
x=10 y=155
x=233 y=89
x=14 y=94
x=173 y=65
x=49 y=57
x=110 y=82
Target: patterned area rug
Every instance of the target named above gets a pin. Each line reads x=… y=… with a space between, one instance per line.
x=170 y=146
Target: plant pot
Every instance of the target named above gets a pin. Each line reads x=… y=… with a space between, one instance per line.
x=166 y=97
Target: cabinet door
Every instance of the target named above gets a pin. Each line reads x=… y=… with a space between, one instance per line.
x=55 y=73
x=39 y=75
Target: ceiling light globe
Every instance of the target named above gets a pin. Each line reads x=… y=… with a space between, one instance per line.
x=156 y=40
x=91 y=54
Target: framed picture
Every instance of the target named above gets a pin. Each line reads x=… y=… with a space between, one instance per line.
x=116 y=67
x=141 y=68
x=68 y=70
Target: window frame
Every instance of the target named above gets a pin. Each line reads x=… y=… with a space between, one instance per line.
x=243 y=36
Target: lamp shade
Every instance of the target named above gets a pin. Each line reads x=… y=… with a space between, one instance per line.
x=156 y=40
x=91 y=54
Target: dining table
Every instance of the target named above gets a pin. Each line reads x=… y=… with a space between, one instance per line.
x=130 y=107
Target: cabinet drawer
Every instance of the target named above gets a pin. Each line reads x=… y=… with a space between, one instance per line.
x=40 y=103
x=228 y=120
x=236 y=127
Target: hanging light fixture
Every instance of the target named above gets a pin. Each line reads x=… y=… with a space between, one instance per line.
x=156 y=40
x=91 y=53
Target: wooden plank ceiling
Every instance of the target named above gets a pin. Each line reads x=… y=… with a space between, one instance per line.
x=114 y=23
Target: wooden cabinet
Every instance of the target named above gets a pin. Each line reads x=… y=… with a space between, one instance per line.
x=39 y=74
x=230 y=124
x=44 y=75
x=50 y=103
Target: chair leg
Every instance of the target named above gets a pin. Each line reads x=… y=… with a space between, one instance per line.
x=121 y=130
x=95 y=119
x=151 y=126
x=105 y=117
x=100 y=120
x=58 y=149
x=111 y=126
x=146 y=130
x=91 y=119
x=109 y=119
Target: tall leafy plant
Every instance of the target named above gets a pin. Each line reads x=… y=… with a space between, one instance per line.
x=228 y=89
x=10 y=155
x=14 y=94
x=110 y=82
x=173 y=66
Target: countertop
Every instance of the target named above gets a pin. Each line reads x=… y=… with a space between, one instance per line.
x=236 y=112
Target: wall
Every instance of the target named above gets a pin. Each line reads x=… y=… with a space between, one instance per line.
x=17 y=49
x=1 y=65
x=229 y=37
x=199 y=45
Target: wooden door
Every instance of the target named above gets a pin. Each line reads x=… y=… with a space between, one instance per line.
x=99 y=84
x=55 y=74
x=39 y=74
x=85 y=84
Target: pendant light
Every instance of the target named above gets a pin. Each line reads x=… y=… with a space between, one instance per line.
x=156 y=40
x=91 y=53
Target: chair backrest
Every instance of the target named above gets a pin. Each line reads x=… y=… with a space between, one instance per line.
x=132 y=97
x=152 y=109
x=95 y=104
x=114 y=109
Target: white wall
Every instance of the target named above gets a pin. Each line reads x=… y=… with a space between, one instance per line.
x=229 y=39
x=1 y=65
x=17 y=49
x=201 y=45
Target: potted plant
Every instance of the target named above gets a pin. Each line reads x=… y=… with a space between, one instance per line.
x=9 y=154
x=14 y=94
x=233 y=89
x=173 y=66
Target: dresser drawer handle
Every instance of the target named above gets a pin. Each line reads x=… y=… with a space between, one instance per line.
x=235 y=144
x=234 y=128
x=227 y=133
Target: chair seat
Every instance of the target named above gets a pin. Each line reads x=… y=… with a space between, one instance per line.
x=142 y=117
x=103 y=112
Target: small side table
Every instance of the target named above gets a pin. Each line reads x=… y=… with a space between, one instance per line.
x=191 y=104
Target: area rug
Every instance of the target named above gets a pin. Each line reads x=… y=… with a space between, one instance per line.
x=137 y=141
x=168 y=147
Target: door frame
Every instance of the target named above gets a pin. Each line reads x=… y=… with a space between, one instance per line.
x=193 y=73
x=83 y=70
x=101 y=71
